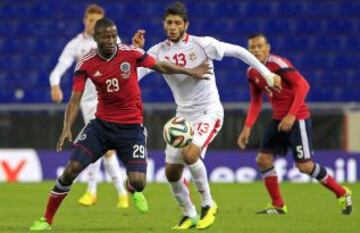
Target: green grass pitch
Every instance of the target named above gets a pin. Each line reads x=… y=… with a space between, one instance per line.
x=312 y=209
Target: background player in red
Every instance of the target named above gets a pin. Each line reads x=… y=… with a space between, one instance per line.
x=290 y=127
x=119 y=116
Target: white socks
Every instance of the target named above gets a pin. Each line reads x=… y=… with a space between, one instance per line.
x=93 y=172
x=182 y=196
x=112 y=167
x=199 y=175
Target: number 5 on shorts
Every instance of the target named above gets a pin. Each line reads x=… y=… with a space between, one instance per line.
x=300 y=152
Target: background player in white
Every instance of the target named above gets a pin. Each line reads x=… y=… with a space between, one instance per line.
x=198 y=101
x=74 y=50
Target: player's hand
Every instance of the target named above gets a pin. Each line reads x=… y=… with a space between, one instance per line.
x=200 y=71
x=66 y=134
x=286 y=123
x=277 y=83
x=243 y=138
x=56 y=94
x=138 y=39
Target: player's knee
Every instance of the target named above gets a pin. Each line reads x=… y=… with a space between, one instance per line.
x=138 y=184
x=306 y=167
x=137 y=181
x=264 y=161
x=173 y=174
x=191 y=154
x=71 y=171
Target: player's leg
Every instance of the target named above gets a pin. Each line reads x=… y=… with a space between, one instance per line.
x=57 y=195
x=88 y=109
x=174 y=174
x=135 y=184
x=87 y=150
x=89 y=197
x=205 y=129
x=112 y=167
x=265 y=162
x=272 y=143
x=302 y=151
x=133 y=155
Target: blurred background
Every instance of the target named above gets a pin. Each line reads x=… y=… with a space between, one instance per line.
x=319 y=37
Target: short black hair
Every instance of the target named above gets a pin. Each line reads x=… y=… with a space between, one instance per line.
x=177 y=8
x=259 y=34
x=103 y=23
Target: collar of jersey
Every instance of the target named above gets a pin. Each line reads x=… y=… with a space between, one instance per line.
x=108 y=59
x=183 y=41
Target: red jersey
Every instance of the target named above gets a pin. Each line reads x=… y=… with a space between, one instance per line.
x=115 y=79
x=291 y=100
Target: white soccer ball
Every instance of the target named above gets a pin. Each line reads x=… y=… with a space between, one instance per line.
x=178 y=132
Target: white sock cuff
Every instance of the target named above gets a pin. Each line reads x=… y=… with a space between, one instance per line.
x=197 y=164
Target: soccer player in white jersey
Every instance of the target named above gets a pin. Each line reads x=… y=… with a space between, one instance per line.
x=74 y=50
x=198 y=101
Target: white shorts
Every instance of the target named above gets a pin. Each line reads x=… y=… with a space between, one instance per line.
x=206 y=127
x=88 y=109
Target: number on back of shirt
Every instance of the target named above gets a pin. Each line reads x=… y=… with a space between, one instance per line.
x=112 y=85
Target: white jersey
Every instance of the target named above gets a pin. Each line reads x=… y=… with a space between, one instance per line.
x=73 y=51
x=197 y=96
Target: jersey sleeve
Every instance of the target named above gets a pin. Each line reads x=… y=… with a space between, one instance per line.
x=299 y=85
x=143 y=59
x=80 y=76
x=66 y=59
x=212 y=47
x=141 y=71
x=255 y=102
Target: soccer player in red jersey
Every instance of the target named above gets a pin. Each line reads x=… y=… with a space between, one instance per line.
x=119 y=116
x=290 y=126
x=75 y=49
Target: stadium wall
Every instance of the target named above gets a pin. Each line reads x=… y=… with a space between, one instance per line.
x=40 y=129
x=28 y=165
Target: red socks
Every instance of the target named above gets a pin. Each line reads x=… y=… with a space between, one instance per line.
x=332 y=185
x=272 y=185
x=54 y=202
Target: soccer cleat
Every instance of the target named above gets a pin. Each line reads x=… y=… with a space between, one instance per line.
x=140 y=202
x=186 y=223
x=207 y=216
x=40 y=225
x=123 y=202
x=273 y=210
x=346 y=202
x=88 y=199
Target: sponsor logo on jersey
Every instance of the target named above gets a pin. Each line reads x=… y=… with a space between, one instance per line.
x=97 y=73
x=125 y=68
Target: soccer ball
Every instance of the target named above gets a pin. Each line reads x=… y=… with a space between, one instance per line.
x=178 y=132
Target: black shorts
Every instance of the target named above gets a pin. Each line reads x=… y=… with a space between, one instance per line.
x=99 y=136
x=299 y=139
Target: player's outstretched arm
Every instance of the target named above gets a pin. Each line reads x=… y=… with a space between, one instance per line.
x=231 y=50
x=71 y=112
x=169 y=68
